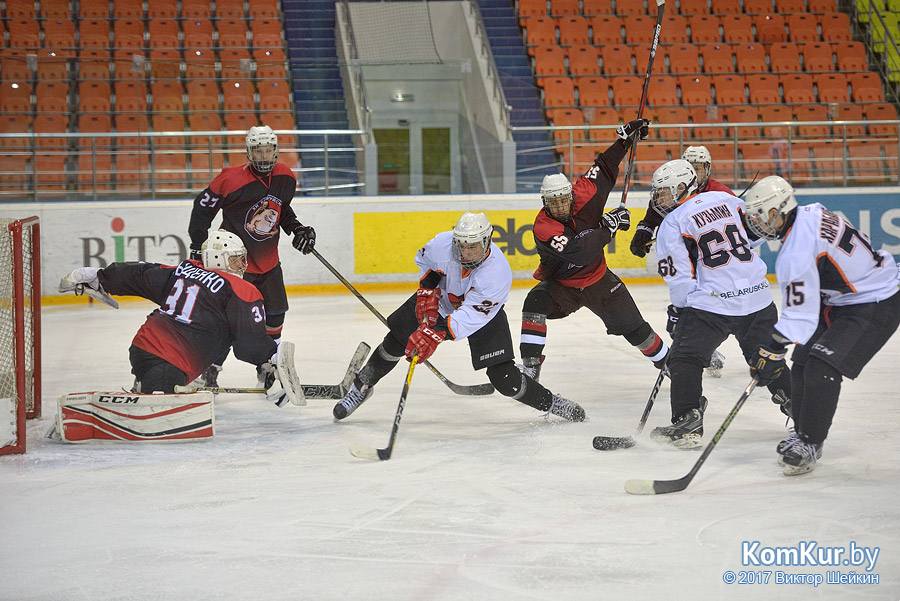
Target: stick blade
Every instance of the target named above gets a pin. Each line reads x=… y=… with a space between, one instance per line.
x=364 y=452
x=473 y=390
x=639 y=487
x=610 y=443
x=655 y=487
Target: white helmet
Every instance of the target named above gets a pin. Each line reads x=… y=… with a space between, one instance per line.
x=262 y=148
x=698 y=156
x=224 y=251
x=472 y=239
x=771 y=192
x=554 y=188
x=672 y=183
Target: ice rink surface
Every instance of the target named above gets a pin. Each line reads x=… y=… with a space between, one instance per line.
x=484 y=498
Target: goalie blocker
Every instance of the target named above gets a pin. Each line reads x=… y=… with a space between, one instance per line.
x=82 y=417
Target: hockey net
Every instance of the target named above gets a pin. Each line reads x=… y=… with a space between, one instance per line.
x=20 y=330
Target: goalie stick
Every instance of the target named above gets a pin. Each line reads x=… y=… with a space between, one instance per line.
x=310 y=391
x=660 y=8
x=659 y=487
x=473 y=390
x=364 y=452
x=609 y=443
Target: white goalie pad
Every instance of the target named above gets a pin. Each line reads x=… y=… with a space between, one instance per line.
x=286 y=372
x=132 y=417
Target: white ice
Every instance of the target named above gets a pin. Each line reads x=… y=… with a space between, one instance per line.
x=483 y=499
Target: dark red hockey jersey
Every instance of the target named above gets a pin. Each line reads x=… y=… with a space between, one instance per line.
x=572 y=252
x=253 y=207
x=202 y=313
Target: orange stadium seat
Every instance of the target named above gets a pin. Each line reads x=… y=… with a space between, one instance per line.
x=758 y=7
x=168 y=123
x=626 y=90
x=639 y=30
x=772 y=114
x=52 y=97
x=662 y=91
x=705 y=29
x=717 y=58
x=812 y=112
x=722 y=154
x=125 y=66
x=866 y=86
x=93 y=63
x=750 y=58
x=165 y=89
x=195 y=9
x=584 y=60
x=128 y=33
x=631 y=8
x=165 y=63
x=602 y=116
x=695 y=90
x=607 y=29
x=278 y=120
x=597 y=7
x=817 y=56
x=263 y=9
x=558 y=91
x=549 y=60
x=274 y=103
x=163 y=33
x=790 y=6
x=565 y=117
x=851 y=56
x=743 y=114
x=662 y=116
x=24 y=33
x=161 y=9
x=737 y=29
x=539 y=30
x=829 y=162
x=832 y=87
x=683 y=58
x=849 y=112
x=770 y=28
x=711 y=115
x=693 y=7
x=648 y=158
x=238 y=96
x=127 y=9
x=13 y=66
x=94 y=33
x=59 y=34
x=93 y=97
x=93 y=9
x=763 y=89
x=593 y=91
x=234 y=9
x=784 y=58
x=232 y=33
x=729 y=89
x=573 y=31
x=882 y=111
x=616 y=59
x=757 y=156
x=724 y=7
x=674 y=30
x=230 y=59
x=51 y=66
x=836 y=27
x=866 y=163
x=803 y=27
x=797 y=88
x=94 y=152
x=821 y=6
x=199 y=88
x=20 y=9
x=198 y=33
x=199 y=63
x=274 y=71
x=266 y=33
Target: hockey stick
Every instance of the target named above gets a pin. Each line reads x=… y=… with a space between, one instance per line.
x=609 y=443
x=659 y=487
x=364 y=452
x=660 y=8
x=750 y=185
x=474 y=390
x=310 y=391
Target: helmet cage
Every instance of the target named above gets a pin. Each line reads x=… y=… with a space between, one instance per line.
x=262 y=148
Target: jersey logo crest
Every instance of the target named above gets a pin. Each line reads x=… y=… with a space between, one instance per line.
x=262 y=218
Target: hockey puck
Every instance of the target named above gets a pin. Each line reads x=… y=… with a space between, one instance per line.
x=610 y=443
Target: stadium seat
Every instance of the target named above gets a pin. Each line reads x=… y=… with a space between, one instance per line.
x=163 y=33
x=566 y=117
x=724 y=7
x=648 y=158
x=661 y=116
x=882 y=111
x=829 y=162
x=238 y=96
x=784 y=58
x=59 y=35
x=94 y=33
x=597 y=7
x=797 y=88
x=832 y=87
x=602 y=116
x=128 y=33
x=770 y=28
x=705 y=29
x=232 y=33
x=558 y=91
x=639 y=29
x=607 y=29
x=52 y=97
x=200 y=63
x=803 y=27
x=626 y=90
x=93 y=9
x=851 y=56
x=849 y=112
x=729 y=89
x=750 y=58
x=693 y=7
x=539 y=31
x=674 y=30
x=737 y=29
x=127 y=9
x=836 y=27
x=231 y=61
x=266 y=33
x=584 y=60
x=24 y=33
x=13 y=66
x=573 y=31
x=711 y=115
x=743 y=114
x=763 y=89
x=757 y=157
x=274 y=103
x=165 y=63
x=695 y=90
x=55 y=9
x=772 y=114
x=683 y=58
x=93 y=97
x=263 y=9
x=821 y=6
x=234 y=9
x=812 y=112
x=630 y=8
x=166 y=90
x=549 y=60
x=790 y=6
x=161 y=9
x=168 y=122
x=593 y=91
x=50 y=66
x=616 y=59
x=195 y=9
x=197 y=33
x=817 y=56
x=94 y=153
x=662 y=91
x=758 y=7
x=866 y=163
x=867 y=87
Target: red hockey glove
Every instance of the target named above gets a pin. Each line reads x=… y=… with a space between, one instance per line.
x=423 y=342
x=427 y=303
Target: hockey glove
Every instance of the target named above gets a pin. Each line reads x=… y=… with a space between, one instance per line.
x=642 y=240
x=769 y=362
x=427 y=304
x=274 y=390
x=423 y=342
x=196 y=253
x=674 y=314
x=617 y=219
x=84 y=281
x=304 y=239
x=627 y=131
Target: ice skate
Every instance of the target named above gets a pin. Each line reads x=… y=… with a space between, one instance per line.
x=567 y=409
x=685 y=432
x=355 y=397
x=800 y=457
x=209 y=378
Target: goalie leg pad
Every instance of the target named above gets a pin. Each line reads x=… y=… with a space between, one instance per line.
x=287 y=374
x=83 y=417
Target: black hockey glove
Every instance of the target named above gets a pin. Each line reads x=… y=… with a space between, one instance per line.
x=304 y=238
x=642 y=240
x=674 y=314
x=769 y=362
x=196 y=253
x=617 y=219
x=274 y=390
x=627 y=131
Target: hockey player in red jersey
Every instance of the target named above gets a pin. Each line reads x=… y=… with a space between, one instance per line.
x=840 y=305
x=255 y=200
x=204 y=309
x=570 y=233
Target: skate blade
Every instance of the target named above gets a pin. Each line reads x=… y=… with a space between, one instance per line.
x=688 y=441
x=796 y=470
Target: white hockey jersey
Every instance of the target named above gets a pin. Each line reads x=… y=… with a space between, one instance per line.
x=823 y=253
x=469 y=299
x=705 y=257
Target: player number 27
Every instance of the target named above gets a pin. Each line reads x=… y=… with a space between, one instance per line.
x=187 y=306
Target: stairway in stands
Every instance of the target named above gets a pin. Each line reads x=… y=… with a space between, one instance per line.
x=318 y=94
x=521 y=94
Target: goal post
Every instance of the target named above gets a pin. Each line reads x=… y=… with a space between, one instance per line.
x=20 y=330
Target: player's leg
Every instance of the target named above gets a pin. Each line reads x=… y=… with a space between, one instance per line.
x=611 y=301
x=698 y=334
x=754 y=331
x=275 y=302
x=153 y=374
x=547 y=300
x=492 y=349
x=402 y=323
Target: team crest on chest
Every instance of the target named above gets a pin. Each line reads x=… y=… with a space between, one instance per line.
x=262 y=218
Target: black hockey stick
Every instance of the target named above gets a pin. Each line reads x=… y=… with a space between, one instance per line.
x=474 y=390
x=750 y=185
x=659 y=487
x=364 y=452
x=609 y=443
x=660 y=8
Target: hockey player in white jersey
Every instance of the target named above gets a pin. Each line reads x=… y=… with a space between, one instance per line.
x=717 y=286
x=840 y=305
x=463 y=285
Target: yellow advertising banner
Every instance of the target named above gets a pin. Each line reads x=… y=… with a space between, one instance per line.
x=387 y=242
